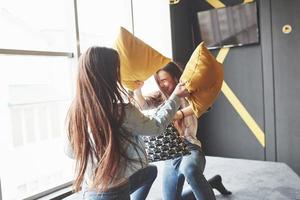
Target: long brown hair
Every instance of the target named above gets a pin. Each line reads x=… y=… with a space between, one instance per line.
x=95 y=116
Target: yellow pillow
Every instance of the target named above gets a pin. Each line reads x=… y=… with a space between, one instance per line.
x=138 y=60
x=203 y=75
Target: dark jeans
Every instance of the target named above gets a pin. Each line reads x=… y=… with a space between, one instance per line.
x=137 y=187
x=189 y=168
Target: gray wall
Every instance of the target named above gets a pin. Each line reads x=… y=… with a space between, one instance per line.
x=286 y=54
x=263 y=76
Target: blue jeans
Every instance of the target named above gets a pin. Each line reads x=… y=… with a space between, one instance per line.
x=189 y=167
x=136 y=188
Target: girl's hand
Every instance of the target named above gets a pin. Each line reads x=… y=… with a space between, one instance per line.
x=138 y=91
x=181 y=91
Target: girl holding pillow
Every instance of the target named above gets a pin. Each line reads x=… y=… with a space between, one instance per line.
x=189 y=167
x=104 y=131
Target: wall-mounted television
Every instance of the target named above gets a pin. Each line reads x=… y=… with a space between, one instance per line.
x=229 y=26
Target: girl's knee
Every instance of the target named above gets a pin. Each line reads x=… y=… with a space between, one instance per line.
x=191 y=171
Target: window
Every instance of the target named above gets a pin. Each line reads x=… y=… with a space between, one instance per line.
x=38 y=59
x=99 y=21
x=36 y=90
x=37 y=93
x=37 y=25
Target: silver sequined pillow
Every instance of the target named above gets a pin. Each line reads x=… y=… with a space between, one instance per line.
x=166 y=146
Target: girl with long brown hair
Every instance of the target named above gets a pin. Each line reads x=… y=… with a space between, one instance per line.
x=189 y=167
x=104 y=131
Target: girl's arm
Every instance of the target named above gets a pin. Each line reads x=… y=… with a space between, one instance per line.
x=139 y=98
x=151 y=101
x=139 y=124
x=182 y=113
x=136 y=123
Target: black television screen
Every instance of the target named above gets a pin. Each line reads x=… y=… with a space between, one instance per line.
x=229 y=26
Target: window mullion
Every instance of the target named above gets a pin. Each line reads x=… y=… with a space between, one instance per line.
x=36 y=53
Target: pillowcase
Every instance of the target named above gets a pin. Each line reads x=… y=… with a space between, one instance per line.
x=203 y=76
x=138 y=60
x=169 y=145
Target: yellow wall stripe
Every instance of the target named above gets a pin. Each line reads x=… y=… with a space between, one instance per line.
x=238 y=106
x=232 y=98
x=248 y=1
x=172 y=2
x=222 y=54
x=216 y=3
